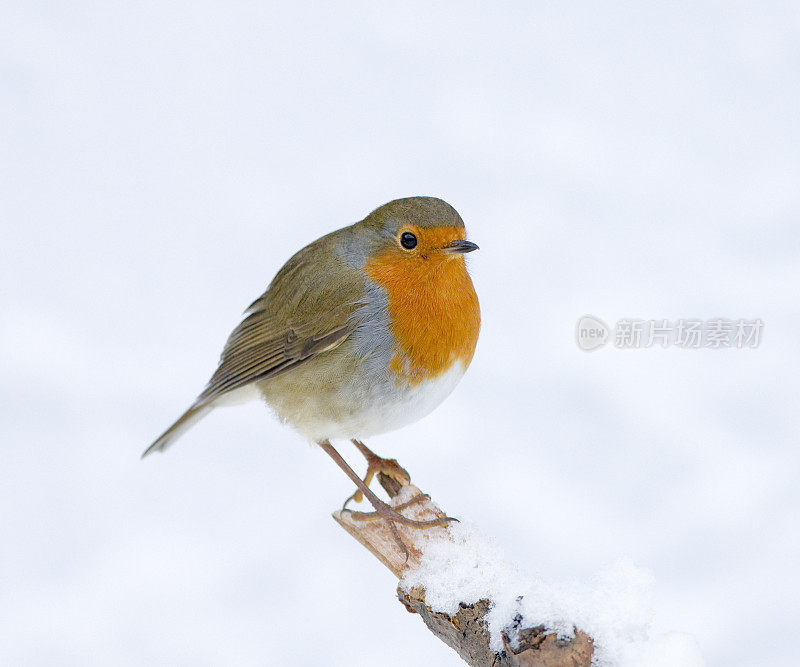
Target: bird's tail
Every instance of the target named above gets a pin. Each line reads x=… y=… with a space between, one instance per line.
x=188 y=419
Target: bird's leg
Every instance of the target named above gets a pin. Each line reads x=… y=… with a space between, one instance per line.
x=382 y=509
x=376 y=464
x=367 y=516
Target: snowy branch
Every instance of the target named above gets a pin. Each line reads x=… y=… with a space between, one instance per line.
x=462 y=624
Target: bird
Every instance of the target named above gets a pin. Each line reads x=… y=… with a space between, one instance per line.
x=361 y=332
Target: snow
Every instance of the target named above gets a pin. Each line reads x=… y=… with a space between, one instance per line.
x=615 y=607
x=161 y=161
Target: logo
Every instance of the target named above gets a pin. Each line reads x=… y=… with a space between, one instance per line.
x=591 y=333
x=630 y=333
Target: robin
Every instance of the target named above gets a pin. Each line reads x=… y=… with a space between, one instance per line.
x=363 y=331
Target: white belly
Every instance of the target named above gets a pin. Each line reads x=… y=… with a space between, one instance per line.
x=354 y=407
x=398 y=406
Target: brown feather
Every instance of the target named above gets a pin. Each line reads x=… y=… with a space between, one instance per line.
x=300 y=316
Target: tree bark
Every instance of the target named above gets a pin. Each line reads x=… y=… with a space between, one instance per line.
x=465 y=632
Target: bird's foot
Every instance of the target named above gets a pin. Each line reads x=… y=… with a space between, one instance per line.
x=369 y=516
x=392 y=516
x=382 y=509
x=376 y=464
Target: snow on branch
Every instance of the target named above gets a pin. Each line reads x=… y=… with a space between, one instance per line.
x=450 y=578
x=479 y=603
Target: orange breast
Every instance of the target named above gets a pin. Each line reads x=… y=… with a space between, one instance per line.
x=434 y=312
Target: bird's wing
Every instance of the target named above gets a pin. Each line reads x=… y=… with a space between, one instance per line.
x=306 y=311
x=260 y=347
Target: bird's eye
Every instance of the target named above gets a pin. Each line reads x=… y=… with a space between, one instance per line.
x=408 y=240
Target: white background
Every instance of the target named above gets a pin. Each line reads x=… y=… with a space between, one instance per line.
x=158 y=164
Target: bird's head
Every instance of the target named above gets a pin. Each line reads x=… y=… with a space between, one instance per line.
x=423 y=232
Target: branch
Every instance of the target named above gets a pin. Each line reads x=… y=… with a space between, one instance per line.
x=464 y=631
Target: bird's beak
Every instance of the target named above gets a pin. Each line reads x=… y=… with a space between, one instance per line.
x=459 y=247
